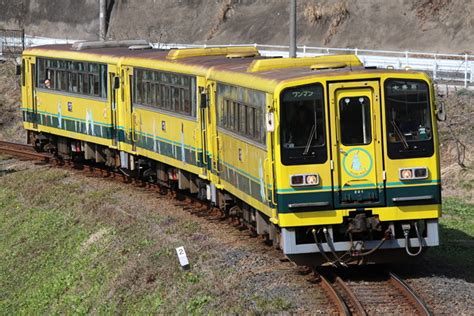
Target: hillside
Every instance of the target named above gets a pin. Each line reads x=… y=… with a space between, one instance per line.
x=428 y=25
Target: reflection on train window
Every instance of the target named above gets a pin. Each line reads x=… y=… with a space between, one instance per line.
x=168 y=91
x=408 y=111
x=302 y=132
x=408 y=118
x=355 y=121
x=241 y=111
x=72 y=76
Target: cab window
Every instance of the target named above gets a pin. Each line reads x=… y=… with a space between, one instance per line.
x=302 y=125
x=408 y=119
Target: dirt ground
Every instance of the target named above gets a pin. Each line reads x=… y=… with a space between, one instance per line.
x=425 y=25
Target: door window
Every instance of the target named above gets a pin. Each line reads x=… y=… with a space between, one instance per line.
x=355 y=121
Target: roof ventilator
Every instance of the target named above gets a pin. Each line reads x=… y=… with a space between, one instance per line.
x=108 y=44
x=323 y=66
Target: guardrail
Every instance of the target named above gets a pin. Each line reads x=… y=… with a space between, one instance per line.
x=450 y=68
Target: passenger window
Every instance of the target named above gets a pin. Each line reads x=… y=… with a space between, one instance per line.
x=171 y=92
x=251 y=122
x=355 y=121
x=239 y=111
x=72 y=77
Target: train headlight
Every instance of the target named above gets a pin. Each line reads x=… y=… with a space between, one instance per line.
x=312 y=179
x=406 y=174
x=413 y=173
x=298 y=180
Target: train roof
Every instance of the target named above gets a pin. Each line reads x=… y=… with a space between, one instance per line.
x=220 y=64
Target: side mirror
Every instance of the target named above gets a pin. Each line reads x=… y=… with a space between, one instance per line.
x=18 y=70
x=116 y=82
x=441 y=112
x=203 y=103
x=270 y=120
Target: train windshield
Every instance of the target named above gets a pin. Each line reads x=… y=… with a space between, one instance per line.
x=302 y=131
x=408 y=118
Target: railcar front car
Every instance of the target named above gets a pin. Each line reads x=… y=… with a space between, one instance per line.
x=358 y=166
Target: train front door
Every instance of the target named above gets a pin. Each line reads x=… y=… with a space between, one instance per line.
x=355 y=114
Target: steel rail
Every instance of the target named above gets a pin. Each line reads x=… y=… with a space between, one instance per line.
x=23 y=150
x=354 y=301
x=411 y=296
x=332 y=294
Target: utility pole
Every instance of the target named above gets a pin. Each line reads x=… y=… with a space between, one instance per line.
x=293 y=29
x=102 y=14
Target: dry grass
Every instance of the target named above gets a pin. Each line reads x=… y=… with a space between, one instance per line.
x=10 y=95
x=224 y=12
x=429 y=9
x=339 y=14
x=312 y=12
x=456 y=143
x=330 y=16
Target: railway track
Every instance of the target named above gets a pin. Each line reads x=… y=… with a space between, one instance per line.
x=347 y=294
x=23 y=151
x=371 y=293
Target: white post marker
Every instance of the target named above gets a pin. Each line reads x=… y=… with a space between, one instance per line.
x=183 y=259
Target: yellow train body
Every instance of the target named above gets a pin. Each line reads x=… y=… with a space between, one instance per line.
x=294 y=144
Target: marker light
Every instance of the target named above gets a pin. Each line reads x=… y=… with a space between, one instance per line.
x=413 y=173
x=297 y=180
x=304 y=179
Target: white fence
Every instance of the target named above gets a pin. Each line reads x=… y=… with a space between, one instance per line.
x=455 y=69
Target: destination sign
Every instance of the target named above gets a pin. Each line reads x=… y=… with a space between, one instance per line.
x=302 y=93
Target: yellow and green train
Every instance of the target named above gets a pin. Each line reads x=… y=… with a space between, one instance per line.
x=330 y=160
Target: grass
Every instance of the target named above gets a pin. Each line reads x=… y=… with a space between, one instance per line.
x=73 y=246
x=78 y=246
x=456 y=237
x=63 y=252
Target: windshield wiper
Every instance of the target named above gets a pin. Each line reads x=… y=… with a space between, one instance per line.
x=312 y=133
x=400 y=135
x=310 y=140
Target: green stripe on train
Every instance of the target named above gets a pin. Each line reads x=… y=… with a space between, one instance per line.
x=430 y=194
